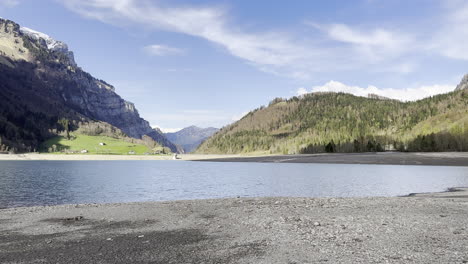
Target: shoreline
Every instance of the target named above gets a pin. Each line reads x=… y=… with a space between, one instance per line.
x=422 y=228
x=77 y=157
x=380 y=158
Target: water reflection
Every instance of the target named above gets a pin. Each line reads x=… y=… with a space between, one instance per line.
x=26 y=183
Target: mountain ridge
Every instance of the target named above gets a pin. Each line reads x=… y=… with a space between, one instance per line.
x=47 y=63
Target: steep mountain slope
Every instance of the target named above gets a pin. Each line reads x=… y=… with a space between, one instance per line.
x=191 y=137
x=41 y=84
x=337 y=122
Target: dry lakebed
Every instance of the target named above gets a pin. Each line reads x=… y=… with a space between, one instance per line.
x=421 y=228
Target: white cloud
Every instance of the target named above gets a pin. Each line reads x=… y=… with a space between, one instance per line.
x=198 y=117
x=409 y=94
x=239 y=116
x=210 y=23
x=162 y=50
x=301 y=91
x=333 y=47
x=168 y=130
x=374 y=45
x=278 y=53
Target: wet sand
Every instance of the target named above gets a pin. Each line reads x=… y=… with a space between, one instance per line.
x=425 y=228
x=390 y=158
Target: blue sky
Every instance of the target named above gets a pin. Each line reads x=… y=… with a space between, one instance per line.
x=207 y=62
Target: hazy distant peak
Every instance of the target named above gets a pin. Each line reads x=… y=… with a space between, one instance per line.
x=191 y=137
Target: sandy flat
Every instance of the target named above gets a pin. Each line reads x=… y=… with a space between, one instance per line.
x=423 y=228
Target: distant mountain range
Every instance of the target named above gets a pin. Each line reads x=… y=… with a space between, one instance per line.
x=338 y=122
x=191 y=137
x=43 y=93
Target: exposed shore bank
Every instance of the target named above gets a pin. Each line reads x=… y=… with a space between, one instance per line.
x=426 y=228
x=36 y=156
x=389 y=158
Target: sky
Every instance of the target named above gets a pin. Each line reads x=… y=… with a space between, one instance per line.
x=208 y=62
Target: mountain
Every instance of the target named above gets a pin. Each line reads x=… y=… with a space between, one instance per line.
x=191 y=137
x=40 y=84
x=338 y=122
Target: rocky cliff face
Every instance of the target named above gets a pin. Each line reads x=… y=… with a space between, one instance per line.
x=463 y=84
x=191 y=137
x=46 y=60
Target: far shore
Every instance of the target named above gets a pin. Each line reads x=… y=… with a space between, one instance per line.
x=422 y=228
x=45 y=156
x=382 y=158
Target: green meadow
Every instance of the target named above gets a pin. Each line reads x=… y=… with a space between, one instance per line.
x=79 y=142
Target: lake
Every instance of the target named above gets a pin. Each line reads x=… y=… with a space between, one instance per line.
x=30 y=183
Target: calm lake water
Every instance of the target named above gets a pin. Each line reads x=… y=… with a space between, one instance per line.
x=28 y=183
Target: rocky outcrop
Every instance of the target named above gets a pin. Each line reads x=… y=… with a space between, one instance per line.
x=463 y=84
x=49 y=62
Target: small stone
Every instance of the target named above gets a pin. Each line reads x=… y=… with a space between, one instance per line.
x=109 y=239
x=316 y=224
x=140 y=236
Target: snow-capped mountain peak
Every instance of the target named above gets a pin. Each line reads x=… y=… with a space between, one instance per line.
x=51 y=43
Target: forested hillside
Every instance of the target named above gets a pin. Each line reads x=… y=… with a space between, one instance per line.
x=338 y=122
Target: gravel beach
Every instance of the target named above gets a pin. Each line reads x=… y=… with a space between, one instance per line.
x=422 y=228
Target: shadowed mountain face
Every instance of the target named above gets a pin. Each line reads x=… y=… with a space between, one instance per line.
x=41 y=84
x=191 y=137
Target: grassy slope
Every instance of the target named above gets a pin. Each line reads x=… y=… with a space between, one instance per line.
x=91 y=143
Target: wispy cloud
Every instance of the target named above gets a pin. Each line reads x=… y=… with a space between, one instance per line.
x=375 y=44
x=211 y=23
x=329 y=48
x=162 y=50
x=409 y=94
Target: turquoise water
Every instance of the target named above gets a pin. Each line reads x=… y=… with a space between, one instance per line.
x=28 y=183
